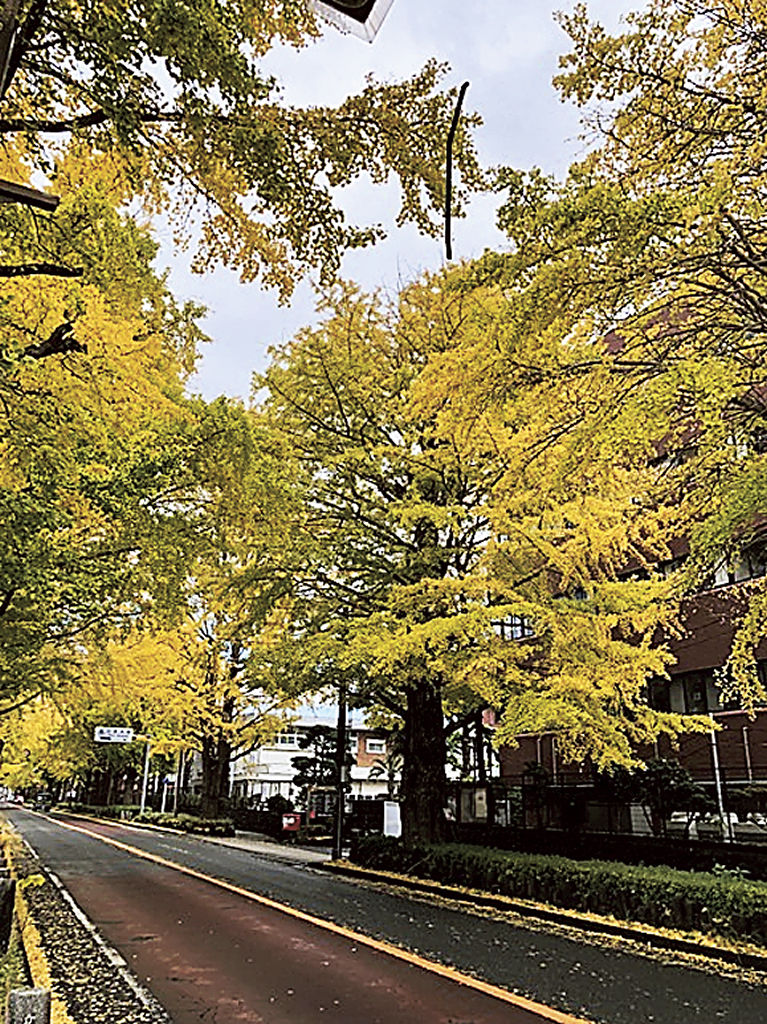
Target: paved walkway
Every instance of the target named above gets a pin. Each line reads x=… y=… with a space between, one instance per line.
x=265 y=846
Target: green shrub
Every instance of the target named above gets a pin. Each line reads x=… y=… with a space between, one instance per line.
x=660 y=896
x=181 y=822
x=188 y=823
x=119 y=811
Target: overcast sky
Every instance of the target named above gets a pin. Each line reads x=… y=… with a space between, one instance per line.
x=507 y=50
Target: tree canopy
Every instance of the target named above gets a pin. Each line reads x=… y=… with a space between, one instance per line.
x=91 y=392
x=636 y=286
x=465 y=555
x=474 y=494
x=124 y=505
x=253 y=181
x=393 y=514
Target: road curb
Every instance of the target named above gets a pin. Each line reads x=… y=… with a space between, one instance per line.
x=602 y=926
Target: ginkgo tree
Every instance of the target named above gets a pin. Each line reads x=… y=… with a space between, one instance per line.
x=181 y=88
x=49 y=741
x=453 y=532
x=92 y=384
x=125 y=504
x=380 y=603
x=191 y=691
x=214 y=660
x=642 y=271
x=576 y=522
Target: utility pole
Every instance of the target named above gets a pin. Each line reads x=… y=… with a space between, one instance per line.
x=338 y=824
x=9 y=27
x=725 y=818
x=145 y=783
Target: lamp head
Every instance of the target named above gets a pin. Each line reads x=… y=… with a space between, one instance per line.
x=361 y=17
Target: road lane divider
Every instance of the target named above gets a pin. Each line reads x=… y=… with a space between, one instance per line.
x=546 y=1013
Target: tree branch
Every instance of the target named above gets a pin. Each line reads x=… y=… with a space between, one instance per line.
x=60 y=341
x=28 y=269
x=29 y=28
x=459 y=722
x=96 y=117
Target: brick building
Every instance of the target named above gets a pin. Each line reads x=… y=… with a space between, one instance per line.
x=737 y=752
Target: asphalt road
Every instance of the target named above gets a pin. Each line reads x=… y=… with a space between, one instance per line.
x=208 y=954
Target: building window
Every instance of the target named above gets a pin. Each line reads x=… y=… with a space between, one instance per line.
x=659 y=694
x=694 y=687
x=749 y=564
x=513 y=627
x=759 y=440
x=757 y=560
x=668 y=568
x=375 y=746
x=286 y=739
x=761 y=672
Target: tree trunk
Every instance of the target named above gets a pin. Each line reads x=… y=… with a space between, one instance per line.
x=424 y=787
x=216 y=759
x=216 y=754
x=99 y=788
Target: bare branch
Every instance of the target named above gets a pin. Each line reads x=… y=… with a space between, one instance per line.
x=29 y=269
x=96 y=117
x=60 y=341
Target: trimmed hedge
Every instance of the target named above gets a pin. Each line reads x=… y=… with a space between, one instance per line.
x=682 y=854
x=180 y=822
x=188 y=823
x=715 y=903
x=120 y=811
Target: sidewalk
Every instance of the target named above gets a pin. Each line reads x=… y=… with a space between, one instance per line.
x=255 y=842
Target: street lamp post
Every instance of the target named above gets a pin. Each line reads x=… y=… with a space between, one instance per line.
x=145 y=783
x=338 y=824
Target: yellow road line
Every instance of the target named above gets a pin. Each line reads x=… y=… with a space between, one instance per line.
x=546 y=1012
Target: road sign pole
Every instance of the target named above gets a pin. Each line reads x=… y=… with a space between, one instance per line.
x=145 y=783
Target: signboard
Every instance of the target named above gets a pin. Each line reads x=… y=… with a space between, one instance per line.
x=112 y=734
x=392 y=823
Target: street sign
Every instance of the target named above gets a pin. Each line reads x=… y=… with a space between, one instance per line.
x=112 y=734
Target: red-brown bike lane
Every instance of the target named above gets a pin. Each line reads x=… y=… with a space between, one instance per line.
x=211 y=952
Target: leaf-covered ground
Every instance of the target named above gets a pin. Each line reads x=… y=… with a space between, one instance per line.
x=92 y=987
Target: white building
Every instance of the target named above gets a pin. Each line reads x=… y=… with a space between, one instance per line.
x=268 y=770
